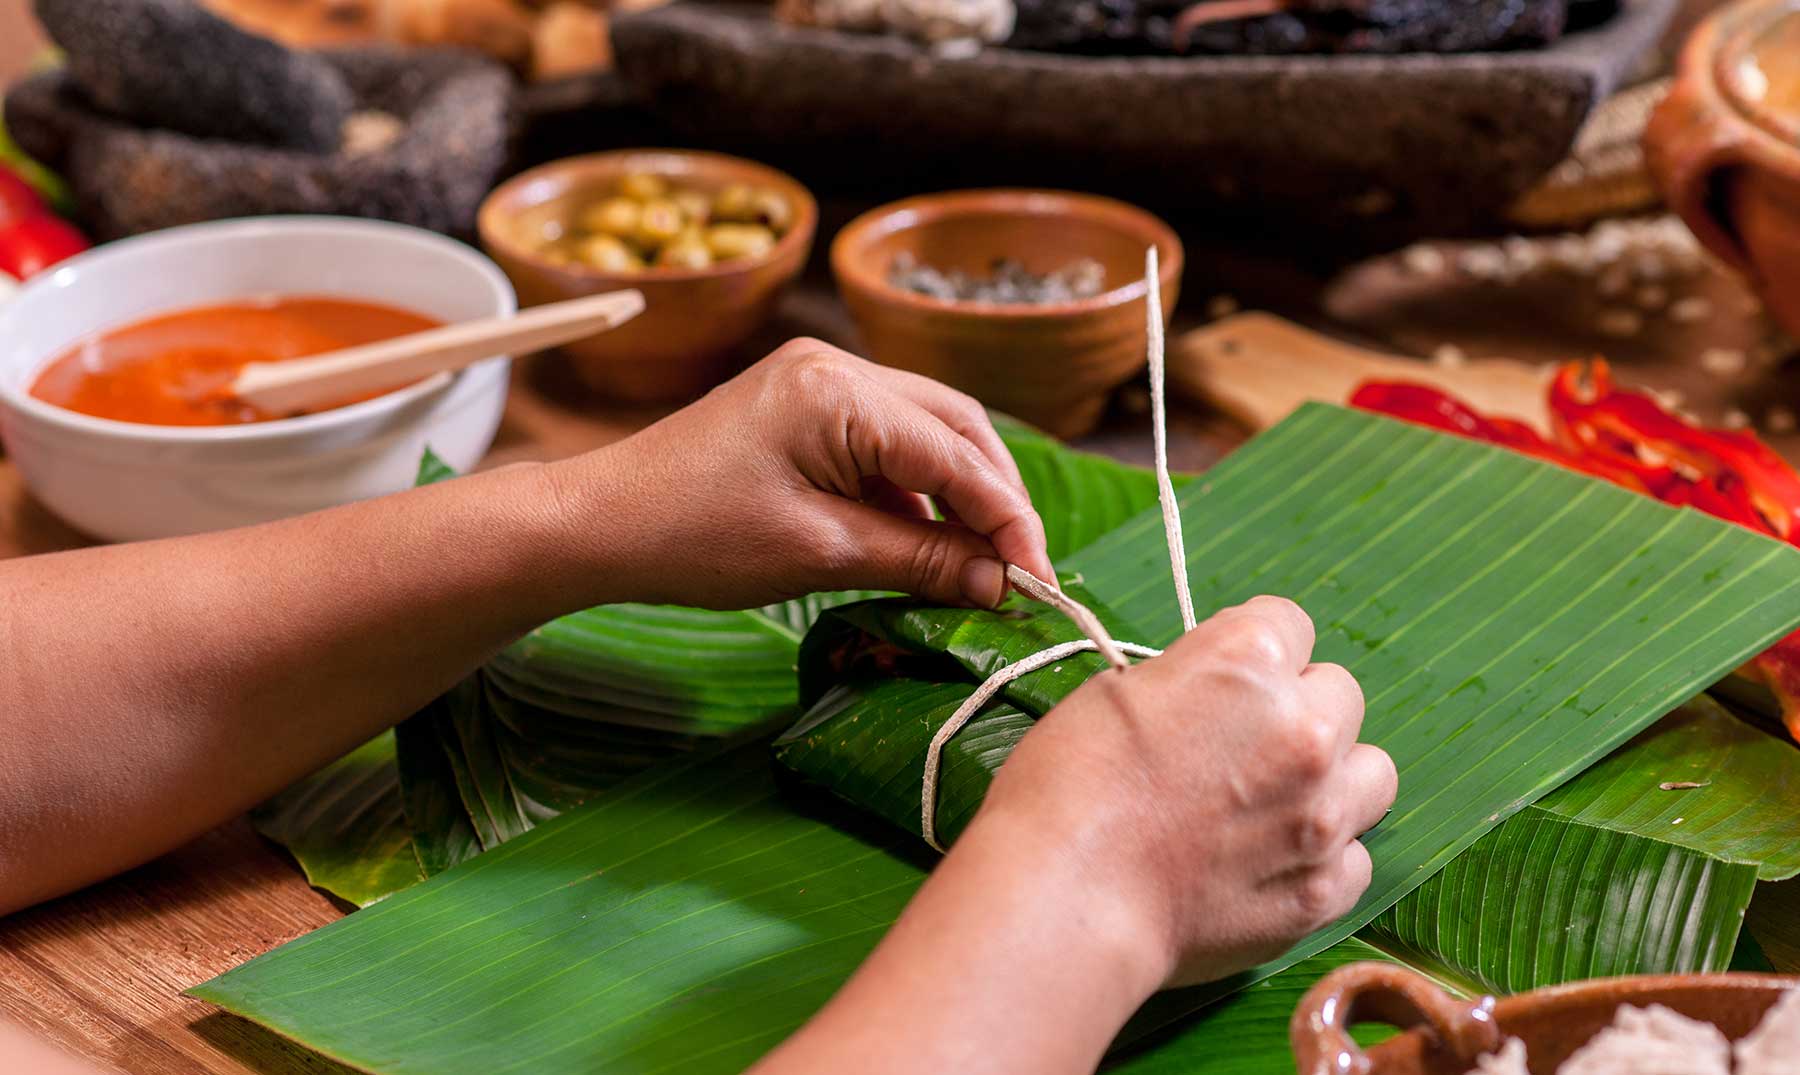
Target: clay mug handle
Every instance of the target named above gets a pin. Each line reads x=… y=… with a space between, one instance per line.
x=1382 y=992
x=1694 y=139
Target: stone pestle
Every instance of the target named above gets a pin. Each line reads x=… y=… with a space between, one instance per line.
x=171 y=64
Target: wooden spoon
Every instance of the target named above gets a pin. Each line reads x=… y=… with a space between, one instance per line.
x=299 y=384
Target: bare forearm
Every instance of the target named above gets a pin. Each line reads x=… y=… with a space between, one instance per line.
x=167 y=686
x=1011 y=959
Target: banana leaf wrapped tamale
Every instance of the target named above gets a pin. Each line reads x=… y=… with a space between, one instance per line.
x=880 y=677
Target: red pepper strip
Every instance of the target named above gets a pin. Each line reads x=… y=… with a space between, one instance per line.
x=1778 y=668
x=1707 y=496
x=1614 y=422
x=1426 y=406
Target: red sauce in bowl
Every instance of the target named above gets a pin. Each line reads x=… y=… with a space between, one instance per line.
x=175 y=369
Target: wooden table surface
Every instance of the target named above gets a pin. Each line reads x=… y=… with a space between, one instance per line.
x=101 y=971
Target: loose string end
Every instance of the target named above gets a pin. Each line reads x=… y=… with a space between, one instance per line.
x=1050 y=594
x=1159 y=432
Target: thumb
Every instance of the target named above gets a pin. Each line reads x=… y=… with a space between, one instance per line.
x=938 y=561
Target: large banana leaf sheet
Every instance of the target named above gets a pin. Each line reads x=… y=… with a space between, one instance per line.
x=1511 y=622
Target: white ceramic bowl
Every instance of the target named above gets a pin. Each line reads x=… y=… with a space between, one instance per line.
x=122 y=481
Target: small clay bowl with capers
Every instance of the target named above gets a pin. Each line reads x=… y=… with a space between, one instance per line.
x=710 y=240
x=1053 y=360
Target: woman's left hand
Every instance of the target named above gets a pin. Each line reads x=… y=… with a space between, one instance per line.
x=811 y=471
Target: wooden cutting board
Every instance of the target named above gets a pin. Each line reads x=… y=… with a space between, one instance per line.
x=1257 y=367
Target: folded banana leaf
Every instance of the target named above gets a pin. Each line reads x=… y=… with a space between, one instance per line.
x=1511 y=624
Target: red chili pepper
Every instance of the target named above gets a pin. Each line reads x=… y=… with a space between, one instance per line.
x=32 y=238
x=18 y=199
x=29 y=246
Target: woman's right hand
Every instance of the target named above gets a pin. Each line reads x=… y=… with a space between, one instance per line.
x=1216 y=793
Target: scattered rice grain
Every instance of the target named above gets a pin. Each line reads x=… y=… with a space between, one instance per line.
x=1736 y=419
x=1691 y=309
x=1620 y=323
x=1423 y=259
x=1652 y=297
x=1449 y=356
x=1482 y=262
x=1780 y=420
x=1723 y=361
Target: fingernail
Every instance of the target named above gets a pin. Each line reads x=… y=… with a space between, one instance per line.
x=983 y=581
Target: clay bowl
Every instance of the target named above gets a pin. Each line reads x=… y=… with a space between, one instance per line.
x=1725 y=145
x=1448 y=1034
x=688 y=338
x=1051 y=365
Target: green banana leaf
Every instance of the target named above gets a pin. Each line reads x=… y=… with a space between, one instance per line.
x=689 y=919
x=1774 y=920
x=592 y=698
x=346 y=825
x=1584 y=898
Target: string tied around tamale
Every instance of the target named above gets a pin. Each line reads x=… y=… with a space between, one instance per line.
x=1098 y=639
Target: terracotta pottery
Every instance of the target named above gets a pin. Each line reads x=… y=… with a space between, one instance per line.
x=1725 y=145
x=1448 y=1035
x=1051 y=365
x=688 y=337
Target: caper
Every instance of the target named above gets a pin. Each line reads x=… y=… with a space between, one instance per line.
x=695 y=206
x=608 y=253
x=737 y=203
x=774 y=210
x=613 y=216
x=643 y=186
x=688 y=251
x=728 y=241
x=660 y=222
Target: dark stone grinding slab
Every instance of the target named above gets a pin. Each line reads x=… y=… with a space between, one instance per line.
x=454 y=107
x=1352 y=150
x=173 y=64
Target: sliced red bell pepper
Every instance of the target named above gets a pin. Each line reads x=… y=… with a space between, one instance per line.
x=1603 y=419
x=1427 y=406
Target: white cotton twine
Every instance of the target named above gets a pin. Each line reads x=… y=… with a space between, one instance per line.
x=1097 y=640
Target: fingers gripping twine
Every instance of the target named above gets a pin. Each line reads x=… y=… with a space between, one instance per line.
x=1097 y=640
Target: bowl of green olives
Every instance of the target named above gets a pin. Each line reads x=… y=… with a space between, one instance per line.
x=710 y=240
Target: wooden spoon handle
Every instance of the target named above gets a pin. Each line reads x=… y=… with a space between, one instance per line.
x=285 y=387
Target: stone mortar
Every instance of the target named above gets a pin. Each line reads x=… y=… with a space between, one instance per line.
x=1372 y=149
x=455 y=108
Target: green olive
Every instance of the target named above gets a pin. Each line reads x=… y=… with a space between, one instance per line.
x=736 y=203
x=608 y=253
x=558 y=254
x=695 y=206
x=660 y=222
x=688 y=251
x=643 y=186
x=729 y=241
x=613 y=216
x=774 y=210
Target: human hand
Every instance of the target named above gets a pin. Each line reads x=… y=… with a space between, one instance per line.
x=1215 y=794
x=811 y=471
